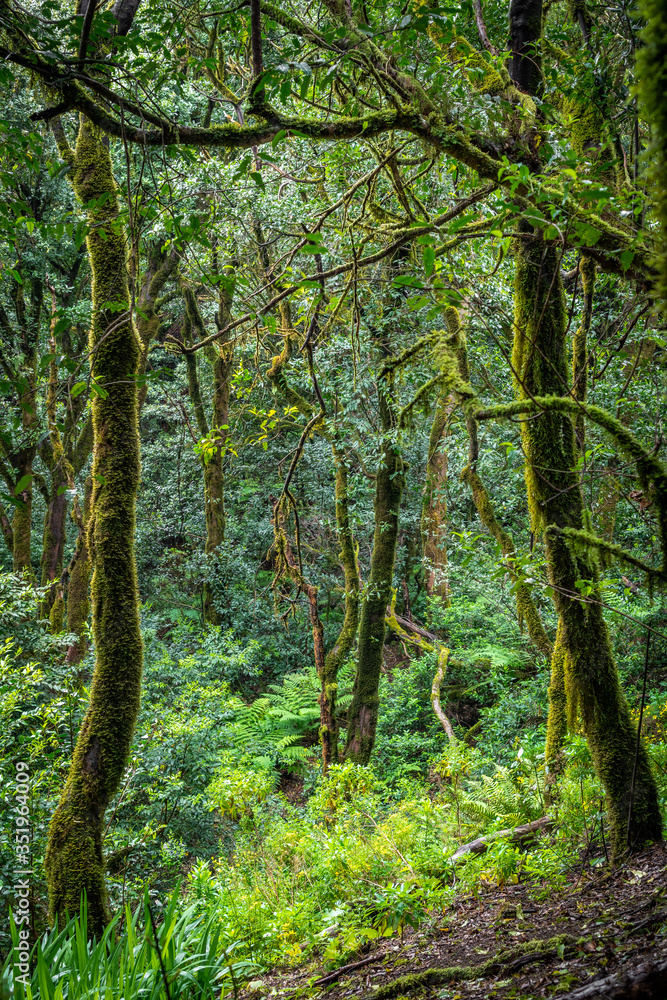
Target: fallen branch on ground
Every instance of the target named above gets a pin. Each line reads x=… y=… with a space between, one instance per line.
x=507 y=960
x=517 y=835
x=337 y=973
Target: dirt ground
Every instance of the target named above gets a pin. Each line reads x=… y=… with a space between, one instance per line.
x=609 y=921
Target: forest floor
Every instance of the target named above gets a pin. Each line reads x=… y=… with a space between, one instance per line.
x=604 y=924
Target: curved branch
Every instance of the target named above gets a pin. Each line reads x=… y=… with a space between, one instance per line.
x=435 y=694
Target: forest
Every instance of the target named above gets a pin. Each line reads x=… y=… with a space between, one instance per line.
x=333 y=638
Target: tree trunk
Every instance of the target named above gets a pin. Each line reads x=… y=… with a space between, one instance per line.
x=214 y=479
x=525 y=31
x=348 y=632
x=363 y=712
x=74 y=859
x=7 y=532
x=555 y=499
x=22 y=520
x=53 y=546
x=78 y=605
x=434 y=508
x=558 y=715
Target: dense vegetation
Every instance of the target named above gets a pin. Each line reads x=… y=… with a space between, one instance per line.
x=334 y=506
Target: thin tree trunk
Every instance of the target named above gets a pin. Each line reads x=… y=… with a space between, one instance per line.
x=62 y=476
x=78 y=604
x=434 y=507
x=53 y=546
x=348 y=633
x=22 y=520
x=213 y=461
x=74 y=858
x=363 y=712
x=557 y=722
x=7 y=533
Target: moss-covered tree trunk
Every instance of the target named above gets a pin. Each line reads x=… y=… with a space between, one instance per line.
x=74 y=858
x=6 y=528
x=62 y=476
x=217 y=433
x=556 y=501
x=22 y=520
x=348 y=633
x=28 y=317
x=363 y=712
x=434 y=507
x=159 y=270
x=78 y=604
x=53 y=547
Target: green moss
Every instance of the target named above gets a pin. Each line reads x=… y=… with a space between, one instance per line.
x=434 y=506
x=348 y=633
x=557 y=724
x=21 y=533
x=580 y=345
x=555 y=499
x=651 y=72
x=527 y=611
x=542 y=949
x=74 y=858
x=78 y=605
x=363 y=711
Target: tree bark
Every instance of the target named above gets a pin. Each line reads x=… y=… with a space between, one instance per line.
x=74 y=858
x=221 y=362
x=434 y=508
x=78 y=604
x=555 y=499
x=363 y=712
x=348 y=633
x=525 y=34
x=22 y=520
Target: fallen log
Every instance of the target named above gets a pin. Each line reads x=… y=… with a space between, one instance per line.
x=508 y=959
x=517 y=835
x=647 y=981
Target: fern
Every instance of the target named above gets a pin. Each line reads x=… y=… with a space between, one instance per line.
x=281 y=726
x=503 y=799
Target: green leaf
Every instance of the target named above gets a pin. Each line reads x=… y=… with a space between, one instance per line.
x=77 y=389
x=98 y=390
x=22 y=483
